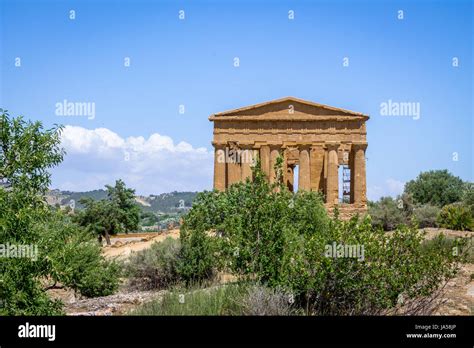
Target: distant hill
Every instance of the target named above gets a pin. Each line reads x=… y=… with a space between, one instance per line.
x=165 y=203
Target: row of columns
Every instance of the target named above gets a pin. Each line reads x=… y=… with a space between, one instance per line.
x=321 y=160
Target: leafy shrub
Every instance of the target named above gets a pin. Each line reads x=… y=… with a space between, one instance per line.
x=394 y=264
x=197 y=258
x=456 y=216
x=436 y=187
x=468 y=197
x=387 y=213
x=280 y=239
x=250 y=219
x=155 y=267
x=425 y=215
x=75 y=258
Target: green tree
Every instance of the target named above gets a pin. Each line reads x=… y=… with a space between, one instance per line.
x=436 y=187
x=117 y=213
x=27 y=151
x=58 y=251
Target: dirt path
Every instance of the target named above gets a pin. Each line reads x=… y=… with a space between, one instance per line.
x=122 y=246
x=118 y=304
x=432 y=232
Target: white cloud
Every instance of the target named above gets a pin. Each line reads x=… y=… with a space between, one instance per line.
x=95 y=157
x=395 y=187
x=391 y=187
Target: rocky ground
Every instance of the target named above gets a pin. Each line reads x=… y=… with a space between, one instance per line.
x=457 y=298
x=118 y=304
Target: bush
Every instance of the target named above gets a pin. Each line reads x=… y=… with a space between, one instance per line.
x=251 y=219
x=260 y=300
x=468 y=197
x=98 y=279
x=425 y=215
x=274 y=237
x=198 y=257
x=394 y=264
x=436 y=187
x=76 y=259
x=456 y=216
x=387 y=213
x=155 y=267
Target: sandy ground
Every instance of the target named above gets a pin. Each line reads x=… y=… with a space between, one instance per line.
x=459 y=294
x=123 y=245
x=433 y=232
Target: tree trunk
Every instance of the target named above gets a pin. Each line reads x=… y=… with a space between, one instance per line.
x=107 y=237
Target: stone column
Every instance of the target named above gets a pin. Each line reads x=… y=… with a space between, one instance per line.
x=234 y=174
x=304 y=178
x=246 y=162
x=359 y=184
x=219 y=168
x=332 y=182
x=265 y=159
x=316 y=159
x=285 y=166
x=274 y=153
x=351 y=166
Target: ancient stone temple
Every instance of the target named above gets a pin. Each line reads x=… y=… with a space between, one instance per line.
x=323 y=144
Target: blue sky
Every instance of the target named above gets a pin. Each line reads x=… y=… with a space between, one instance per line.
x=138 y=132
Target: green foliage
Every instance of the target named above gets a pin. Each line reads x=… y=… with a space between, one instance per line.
x=394 y=265
x=148 y=219
x=387 y=213
x=456 y=216
x=118 y=213
x=436 y=187
x=27 y=151
x=468 y=197
x=61 y=252
x=74 y=258
x=425 y=215
x=251 y=219
x=155 y=267
x=229 y=299
x=197 y=257
x=222 y=300
x=264 y=233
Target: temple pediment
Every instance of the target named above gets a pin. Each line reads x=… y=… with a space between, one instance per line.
x=288 y=108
